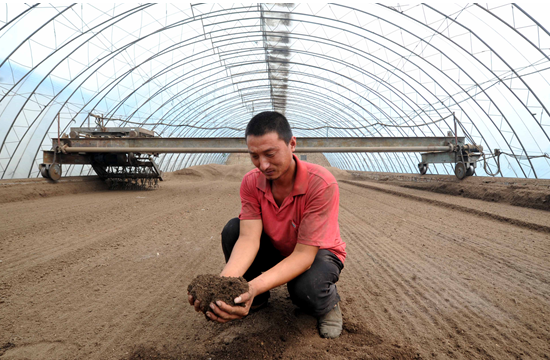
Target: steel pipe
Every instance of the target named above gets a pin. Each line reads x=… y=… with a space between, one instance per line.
x=159 y=150
x=240 y=143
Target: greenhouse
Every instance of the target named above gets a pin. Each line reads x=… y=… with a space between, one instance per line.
x=274 y=181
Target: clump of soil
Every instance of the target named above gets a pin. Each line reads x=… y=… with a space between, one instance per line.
x=210 y=288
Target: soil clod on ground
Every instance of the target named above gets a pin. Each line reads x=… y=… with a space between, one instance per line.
x=210 y=288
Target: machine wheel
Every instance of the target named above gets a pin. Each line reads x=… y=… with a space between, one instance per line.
x=44 y=171
x=54 y=171
x=460 y=170
x=423 y=168
x=471 y=170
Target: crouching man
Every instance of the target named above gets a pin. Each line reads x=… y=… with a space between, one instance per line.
x=287 y=231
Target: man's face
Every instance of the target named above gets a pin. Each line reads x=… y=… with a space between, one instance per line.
x=270 y=154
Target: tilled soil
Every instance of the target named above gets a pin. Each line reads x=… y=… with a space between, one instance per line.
x=529 y=193
x=104 y=275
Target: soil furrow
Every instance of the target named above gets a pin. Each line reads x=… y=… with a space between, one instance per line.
x=452 y=329
x=504 y=219
x=390 y=252
x=487 y=269
x=526 y=264
x=414 y=306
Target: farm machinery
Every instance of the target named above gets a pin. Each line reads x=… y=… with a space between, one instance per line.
x=122 y=170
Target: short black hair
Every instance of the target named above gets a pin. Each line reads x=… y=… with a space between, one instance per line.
x=269 y=121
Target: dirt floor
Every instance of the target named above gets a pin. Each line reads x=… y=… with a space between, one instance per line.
x=87 y=273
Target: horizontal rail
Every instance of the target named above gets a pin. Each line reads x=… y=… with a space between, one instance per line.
x=158 y=150
x=161 y=144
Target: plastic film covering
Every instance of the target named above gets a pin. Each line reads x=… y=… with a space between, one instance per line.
x=204 y=70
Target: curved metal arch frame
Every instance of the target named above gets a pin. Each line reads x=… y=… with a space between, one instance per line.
x=221 y=107
x=253 y=80
x=245 y=112
x=13 y=52
x=374 y=77
x=233 y=75
x=531 y=18
x=34 y=33
x=443 y=73
x=298 y=91
x=405 y=102
x=120 y=50
x=307 y=105
x=509 y=89
x=136 y=40
x=458 y=85
x=476 y=83
x=449 y=94
x=53 y=98
x=239 y=64
x=420 y=84
x=517 y=76
x=67 y=44
x=390 y=161
x=244 y=74
x=16 y=18
x=334 y=44
x=534 y=47
x=125 y=14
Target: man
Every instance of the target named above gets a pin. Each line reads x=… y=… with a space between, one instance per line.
x=287 y=231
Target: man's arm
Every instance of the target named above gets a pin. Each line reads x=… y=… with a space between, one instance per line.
x=245 y=249
x=289 y=268
x=295 y=264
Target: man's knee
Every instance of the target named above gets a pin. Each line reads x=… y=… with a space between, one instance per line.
x=303 y=290
x=313 y=297
x=231 y=230
x=230 y=235
x=314 y=291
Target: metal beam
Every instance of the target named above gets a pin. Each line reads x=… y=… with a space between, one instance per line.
x=48 y=157
x=233 y=145
x=201 y=150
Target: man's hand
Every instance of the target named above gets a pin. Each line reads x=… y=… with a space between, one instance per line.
x=193 y=302
x=221 y=312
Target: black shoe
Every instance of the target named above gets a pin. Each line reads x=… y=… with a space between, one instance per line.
x=330 y=325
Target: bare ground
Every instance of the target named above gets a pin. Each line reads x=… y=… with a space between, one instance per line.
x=98 y=274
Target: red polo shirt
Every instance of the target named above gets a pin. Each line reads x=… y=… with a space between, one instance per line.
x=309 y=215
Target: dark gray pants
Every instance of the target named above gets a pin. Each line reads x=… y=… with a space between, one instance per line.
x=314 y=291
